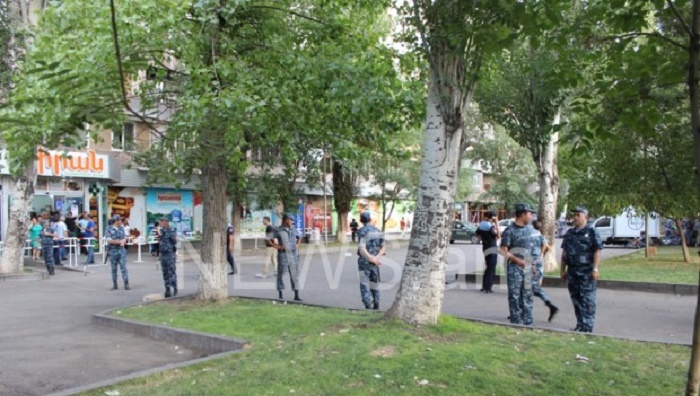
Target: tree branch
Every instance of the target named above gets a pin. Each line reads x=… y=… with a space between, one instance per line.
x=654 y=35
x=680 y=18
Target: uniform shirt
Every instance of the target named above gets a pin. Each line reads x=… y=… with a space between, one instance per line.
x=115 y=234
x=354 y=226
x=519 y=241
x=371 y=239
x=47 y=240
x=487 y=233
x=580 y=244
x=287 y=237
x=538 y=241
x=168 y=240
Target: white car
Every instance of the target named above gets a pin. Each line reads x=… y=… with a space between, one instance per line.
x=503 y=224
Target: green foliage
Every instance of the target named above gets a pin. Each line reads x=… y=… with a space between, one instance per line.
x=510 y=165
x=229 y=79
x=630 y=145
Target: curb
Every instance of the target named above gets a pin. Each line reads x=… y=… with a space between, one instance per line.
x=35 y=275
x=211 y=346
x=645 y=287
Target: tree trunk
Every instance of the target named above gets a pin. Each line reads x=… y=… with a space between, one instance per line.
x=343 y=193
x=684 y=243
x=693 y=86
x=419 y=299
x=213 y=282
x=549 y=192
x=18 y=223
x=236 y=223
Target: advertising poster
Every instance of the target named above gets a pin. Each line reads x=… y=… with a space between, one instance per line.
x=316 y=216
x=119 y=203
x=402 y=209
x=176 y=205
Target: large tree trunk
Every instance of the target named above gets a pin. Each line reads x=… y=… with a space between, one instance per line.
x=18 y=224
x=213 y=282
x=694 y=91
x=343 y=192
x=549 y=190
x=420 y=295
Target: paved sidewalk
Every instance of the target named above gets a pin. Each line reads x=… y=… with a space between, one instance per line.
x=47 y=343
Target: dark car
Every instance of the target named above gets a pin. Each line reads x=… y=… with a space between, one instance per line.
x=463 y=231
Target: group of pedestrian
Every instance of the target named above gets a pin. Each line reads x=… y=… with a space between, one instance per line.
x=524 y=246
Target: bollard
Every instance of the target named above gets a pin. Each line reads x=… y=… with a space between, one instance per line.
x=138 y=245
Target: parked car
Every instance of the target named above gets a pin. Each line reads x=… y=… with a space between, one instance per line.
x=464 y=231
x=503 y=224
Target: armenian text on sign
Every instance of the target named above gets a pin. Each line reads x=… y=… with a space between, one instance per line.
x=72 y=164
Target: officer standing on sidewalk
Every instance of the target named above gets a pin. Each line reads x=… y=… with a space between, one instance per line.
x=370 y=249
x=168 y=240
x=287 y=255
x=116 y=240
x=580 y=260
x=516 y=246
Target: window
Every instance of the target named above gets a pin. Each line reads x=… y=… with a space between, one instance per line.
x=603 y=222
x=123 y=140
x=477 y=179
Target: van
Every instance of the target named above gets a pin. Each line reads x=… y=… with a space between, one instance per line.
x=626 y=227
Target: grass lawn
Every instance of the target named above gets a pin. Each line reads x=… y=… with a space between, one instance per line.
x=666 y=266
x=312 y=351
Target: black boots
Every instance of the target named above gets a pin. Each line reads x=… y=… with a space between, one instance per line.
x=167 y=292
x=552 y=310
x=114 y=286
x=174 y=291
x=296 y=296
x=126 y=285
x=281 y=297
x=50 y=269
x=376 y=305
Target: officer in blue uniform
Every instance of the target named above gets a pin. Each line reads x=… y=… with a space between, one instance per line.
x=286 y=241
x=580 y=260
x=540 y=247
x=167 y=238
x=116 y=242
x=371 y=247
x=516 y=246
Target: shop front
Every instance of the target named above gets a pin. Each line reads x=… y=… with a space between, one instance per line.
x=74 y=182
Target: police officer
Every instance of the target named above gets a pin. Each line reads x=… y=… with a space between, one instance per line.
x=370 y=249
x=47 y=238
x=353 y=229
x=286 y=241
x=516 y=246
x=489 y=233
x=116 y=240
x=580 y=260
x=540 y=247
x=167 y=238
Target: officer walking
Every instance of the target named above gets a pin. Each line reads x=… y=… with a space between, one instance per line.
x=116 y=239
x=580 y=260
x=516 y=246
x=370 y=249
x=287 y=242
x=539 y=248
x=168 y=240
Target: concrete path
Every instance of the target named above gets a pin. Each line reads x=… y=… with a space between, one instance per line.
x=47 y=343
